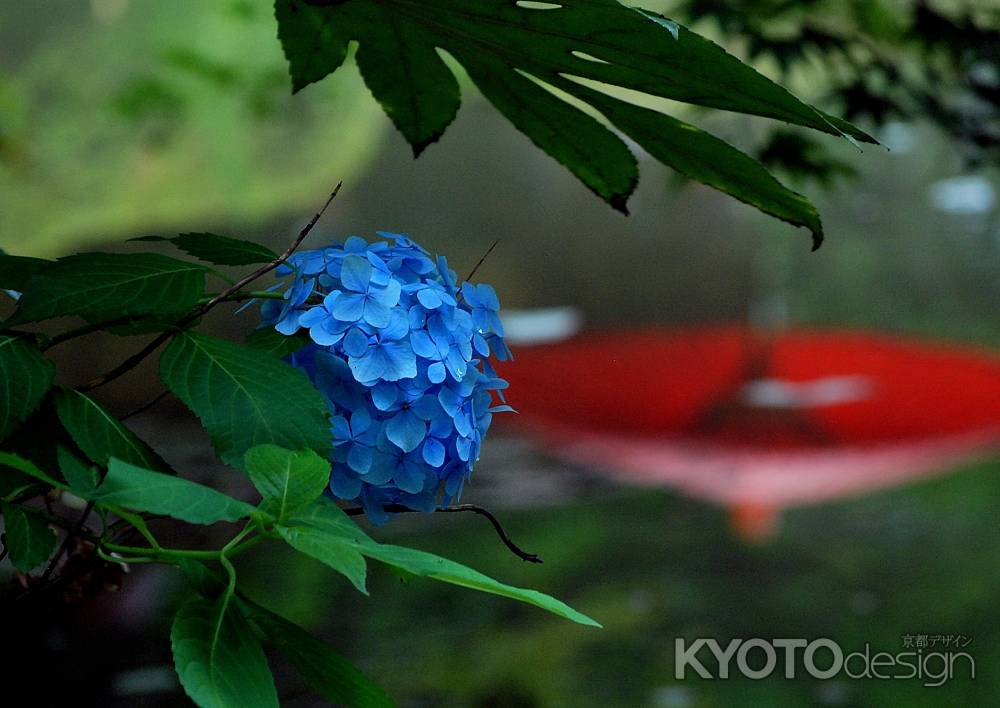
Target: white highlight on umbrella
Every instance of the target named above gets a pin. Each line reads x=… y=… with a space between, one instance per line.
x=538 y=326
x=828 y=391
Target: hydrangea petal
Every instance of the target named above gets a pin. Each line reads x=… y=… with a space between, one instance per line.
x=433 y=452
x=406 y=430
x=356 y=273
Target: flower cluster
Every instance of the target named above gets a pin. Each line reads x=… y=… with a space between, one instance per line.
x=402 y=356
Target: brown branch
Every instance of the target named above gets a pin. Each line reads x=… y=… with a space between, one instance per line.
x=197 y=312
x=513 y=547
x=146 y=406
x=483 y=259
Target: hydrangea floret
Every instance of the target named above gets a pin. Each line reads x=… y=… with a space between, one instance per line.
x=402 y=355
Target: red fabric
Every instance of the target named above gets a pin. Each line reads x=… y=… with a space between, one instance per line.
x=669 y=407
x=664 y=383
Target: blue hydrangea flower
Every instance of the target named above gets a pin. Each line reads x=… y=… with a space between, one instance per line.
x=401 y=352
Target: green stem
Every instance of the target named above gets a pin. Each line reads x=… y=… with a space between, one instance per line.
x=140 y=525
x=245 y=295
x=168 y=555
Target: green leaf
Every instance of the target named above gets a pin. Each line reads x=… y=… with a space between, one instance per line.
x=327 y=672
x=217 y=657
x=507 y=48
x=705 y=158
x=429 y=565
x=323 y=531
x=13 y=482
x=592 y=152
x=405 y=74
x=81 y=477
x=268 y=339
x=328 y=528
x=102 y=286
x=313 y=46
x=25 y=376
x=204 y=580
x=245 y=397
x=28 y=538
x=29 y=468
x=334 y=550
x=220 y=250
x=99 y=434
x=133 y=487
x=287 y=480
x=15 y=271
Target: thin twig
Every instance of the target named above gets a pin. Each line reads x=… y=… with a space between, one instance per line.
x=146 y=406
x=70 y=536
x=483 y=259
x=513 y=547
x=197 y=312
x=91 y=328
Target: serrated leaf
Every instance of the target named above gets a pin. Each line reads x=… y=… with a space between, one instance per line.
x=324 y=522
x=25 y=377
x=220 y=250
x=268 y=339
x=590 y=151
x=103 y=286
x=16 y=462
x=223 y=250
x=506 y=47
x=140 y=489
x=705 y=158
x=428 y=565
x=28 y=538
x=313 y=46
x=81 y=477
x=245 y=397
x=217 y=657
x=325 y=671
x=99 y=434
x=15 y=271
x=405 y=74
x=288 y=480
x=334 y=550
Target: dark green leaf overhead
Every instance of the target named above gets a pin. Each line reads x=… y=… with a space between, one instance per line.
x=507 y=47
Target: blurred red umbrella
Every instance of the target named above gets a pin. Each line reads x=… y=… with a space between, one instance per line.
x=754 y=421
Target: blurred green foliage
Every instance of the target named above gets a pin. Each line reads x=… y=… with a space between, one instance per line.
x=125 y=116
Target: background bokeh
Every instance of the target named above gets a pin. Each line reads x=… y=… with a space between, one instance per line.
x=124 y=118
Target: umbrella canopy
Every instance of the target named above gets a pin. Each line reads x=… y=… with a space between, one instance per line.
x=758 y=421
